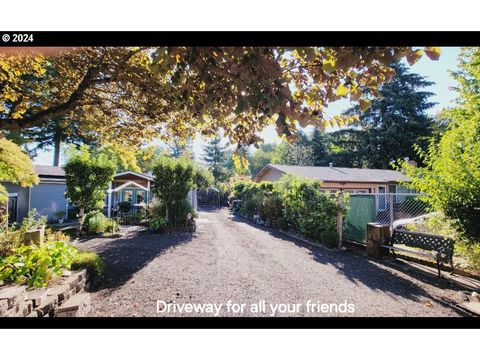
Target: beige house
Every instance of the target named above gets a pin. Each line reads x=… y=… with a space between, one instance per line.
x=351 y=180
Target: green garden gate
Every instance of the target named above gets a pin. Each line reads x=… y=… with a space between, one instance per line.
x=362 y=210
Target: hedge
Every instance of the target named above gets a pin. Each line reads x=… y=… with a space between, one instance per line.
x=293 y=202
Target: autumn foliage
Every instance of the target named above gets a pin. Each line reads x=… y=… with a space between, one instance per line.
x=130 y=95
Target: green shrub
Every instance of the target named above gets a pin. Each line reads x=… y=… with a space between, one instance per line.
x=249 y=206
x=173 y=178
x=36 y=265
x=158 y=224
x=10 y=240
x=330 y=238
x=238 y=188
x=438 y=224
x=95 y=222
x=272 y=207
x=51 y=235
x=90 y=261
x=13 y=237
x=124 y=207
x=252 y=196
x=138 y=216
x=308 y=209
x=179 y=212
x=471 y=252
x=282 y=223
x=293 y=200
x=112 y=226
x=32 y=220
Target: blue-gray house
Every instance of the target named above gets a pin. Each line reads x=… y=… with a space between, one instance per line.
x=48 y=196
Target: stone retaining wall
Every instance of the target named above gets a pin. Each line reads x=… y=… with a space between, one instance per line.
x=66 y=299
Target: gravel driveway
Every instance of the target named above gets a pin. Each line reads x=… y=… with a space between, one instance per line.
x=231 y=259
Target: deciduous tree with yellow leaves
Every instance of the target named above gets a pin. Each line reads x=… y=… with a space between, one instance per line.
x=130 y=95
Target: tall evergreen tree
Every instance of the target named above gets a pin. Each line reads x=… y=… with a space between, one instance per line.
x=298 y=153
x=319 y=144
x=215 y=157
x=263 y=156
x=395 y=122
x=58 y=131
x=178 y=148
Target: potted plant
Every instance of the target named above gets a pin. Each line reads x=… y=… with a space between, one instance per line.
x=60 y=216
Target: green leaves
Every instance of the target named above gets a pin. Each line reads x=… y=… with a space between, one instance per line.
x=452 y=173
x=37 y=265
x=15 y=166
x=88 y=176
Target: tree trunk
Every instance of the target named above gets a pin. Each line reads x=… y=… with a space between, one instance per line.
x=56 y=151
x=81 y=213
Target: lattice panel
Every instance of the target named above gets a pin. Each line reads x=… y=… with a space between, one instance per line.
x=423 y=241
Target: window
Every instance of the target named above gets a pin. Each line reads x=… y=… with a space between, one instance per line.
x=382 y=199
x=128 y=195
x=356 y=191
x=140 y=196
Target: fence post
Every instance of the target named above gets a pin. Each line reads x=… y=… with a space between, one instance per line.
x=377 y=235
x=391 y=209
x=340 y=218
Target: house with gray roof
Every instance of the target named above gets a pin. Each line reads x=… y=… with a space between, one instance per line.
x=352 y=180
x=48 y=196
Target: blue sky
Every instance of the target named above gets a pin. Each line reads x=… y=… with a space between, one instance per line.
x=436 y=71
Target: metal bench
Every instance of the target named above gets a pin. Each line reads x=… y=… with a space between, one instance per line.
x=439 y=248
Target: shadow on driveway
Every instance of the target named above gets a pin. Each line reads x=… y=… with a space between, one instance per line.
x=124 y=256
x=359 y=269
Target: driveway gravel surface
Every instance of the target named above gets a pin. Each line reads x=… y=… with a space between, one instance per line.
x=232 y=261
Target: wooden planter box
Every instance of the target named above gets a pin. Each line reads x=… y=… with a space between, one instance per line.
x=35 y=236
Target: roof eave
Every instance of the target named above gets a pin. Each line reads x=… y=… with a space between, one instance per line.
x=264 y=170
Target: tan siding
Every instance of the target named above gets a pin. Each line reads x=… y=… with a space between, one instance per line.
x=275 y=175
x=270 y=175
x=372 y=187
x=119 y=180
